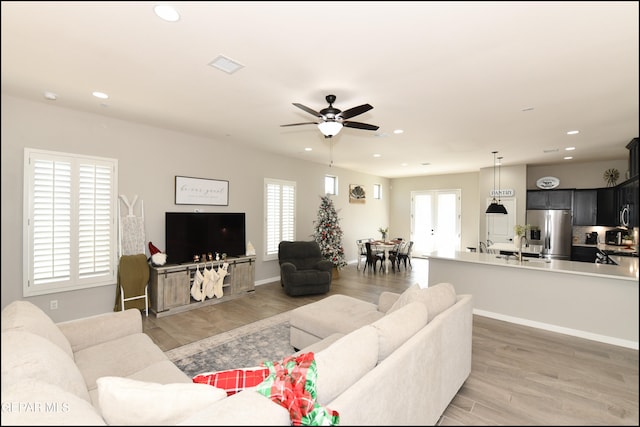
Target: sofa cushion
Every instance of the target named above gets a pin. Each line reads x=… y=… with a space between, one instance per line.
x=247 y=408
x=30 y=357
x=25 y=316
x=122 y=357
x=347 y=314
x=344 y=362
x=396 y=327
x=34 y=402
x=124 y=401
x=437 y=298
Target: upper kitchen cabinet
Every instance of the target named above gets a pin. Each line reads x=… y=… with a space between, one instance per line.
x=595 y=207
x=627 y=196
x=634 y=153
x=549 y=199
x=585 y=205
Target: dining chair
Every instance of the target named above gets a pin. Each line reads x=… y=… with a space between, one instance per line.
x=362 y=251
x=372 y=258
x=404 y=254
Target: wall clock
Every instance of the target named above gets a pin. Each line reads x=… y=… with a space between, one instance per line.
x=611 y=176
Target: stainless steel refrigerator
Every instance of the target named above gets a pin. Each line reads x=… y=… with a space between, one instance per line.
x=554 y=234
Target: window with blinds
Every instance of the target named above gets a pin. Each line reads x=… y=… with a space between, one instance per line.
x=70 y=222
x=280 y=215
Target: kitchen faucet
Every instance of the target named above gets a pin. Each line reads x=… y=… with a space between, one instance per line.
x=520 y=247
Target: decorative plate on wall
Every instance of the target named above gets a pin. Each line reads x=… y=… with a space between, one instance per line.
x=547 y=182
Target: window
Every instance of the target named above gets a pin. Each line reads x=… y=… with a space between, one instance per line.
x=331 y=185
x=70 y=228
x=279 y=214
x=377 y=191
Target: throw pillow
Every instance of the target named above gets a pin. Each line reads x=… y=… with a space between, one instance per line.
x=124 y=401
x=436 y=298
x=233 y=380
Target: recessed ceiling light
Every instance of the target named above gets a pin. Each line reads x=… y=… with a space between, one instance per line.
x=551 y=150
x=225 y=64
x=100 y=95
x=308 y=149
x=568 y=158
x=404 y=164
x=50 y=96
x=398 y=131
x=573 y=132
x=570 y=148
x=167 y=13
x=376 y=155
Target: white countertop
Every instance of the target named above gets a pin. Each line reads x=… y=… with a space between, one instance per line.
x=626 y=270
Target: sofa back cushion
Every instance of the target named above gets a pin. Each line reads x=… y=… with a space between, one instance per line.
x=30 y=357
x=397 y=327
x=344 y=362
x=436 y=298
x=25 y=316
x=37 y=403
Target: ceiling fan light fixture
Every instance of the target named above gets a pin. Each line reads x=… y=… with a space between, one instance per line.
x=330 y=128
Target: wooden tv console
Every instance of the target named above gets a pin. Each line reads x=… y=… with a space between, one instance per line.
x=170 y=285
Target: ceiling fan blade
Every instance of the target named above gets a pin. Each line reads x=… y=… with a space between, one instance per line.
x=359 y=125
x=307 y=109
x=297 y=124
x=352 y=112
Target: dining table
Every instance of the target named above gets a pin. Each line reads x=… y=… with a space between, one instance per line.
x=386 y=247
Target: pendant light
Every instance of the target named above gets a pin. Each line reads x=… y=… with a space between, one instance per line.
x=495 y=207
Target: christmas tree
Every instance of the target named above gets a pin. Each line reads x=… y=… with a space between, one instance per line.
x=328 y=233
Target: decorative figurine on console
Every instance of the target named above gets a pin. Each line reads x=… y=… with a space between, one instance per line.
x=157 y=257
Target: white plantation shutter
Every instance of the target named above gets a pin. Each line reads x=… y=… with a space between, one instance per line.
x=70 y=222
x=280 y=219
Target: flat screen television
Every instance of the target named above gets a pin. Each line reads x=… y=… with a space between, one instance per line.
x=195 y=233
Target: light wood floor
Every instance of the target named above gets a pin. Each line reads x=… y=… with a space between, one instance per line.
x=520 y=375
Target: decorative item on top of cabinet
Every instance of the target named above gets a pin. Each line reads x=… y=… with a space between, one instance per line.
x=611 y=177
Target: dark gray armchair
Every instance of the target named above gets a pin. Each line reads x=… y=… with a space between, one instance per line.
x=303 y=271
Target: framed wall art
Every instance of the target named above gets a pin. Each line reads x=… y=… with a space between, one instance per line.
x=357 y=194
x=201 y=191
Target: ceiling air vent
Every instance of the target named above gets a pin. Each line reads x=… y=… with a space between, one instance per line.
x=226 y=64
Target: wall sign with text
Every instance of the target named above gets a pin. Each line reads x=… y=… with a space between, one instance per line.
x=547 y=182
x=201 y=191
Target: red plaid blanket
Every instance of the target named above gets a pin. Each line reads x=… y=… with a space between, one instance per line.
x=233 y=380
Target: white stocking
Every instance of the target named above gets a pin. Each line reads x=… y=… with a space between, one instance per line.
x=222 y=272
x=196 y=288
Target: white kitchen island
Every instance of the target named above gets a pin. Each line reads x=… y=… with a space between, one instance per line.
x=588 y=300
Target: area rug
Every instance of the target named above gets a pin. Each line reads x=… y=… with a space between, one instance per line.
x=243 y=347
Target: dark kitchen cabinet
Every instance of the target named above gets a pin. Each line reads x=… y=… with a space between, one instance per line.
x=606 y=210
x=549 y=199
x=627 y=197
x=595 y=206
x=585 y=205
x=583 y=253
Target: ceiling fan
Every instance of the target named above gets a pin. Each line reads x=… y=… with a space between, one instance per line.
x=332 y=120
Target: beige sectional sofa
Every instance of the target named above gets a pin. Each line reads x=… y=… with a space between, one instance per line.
x=401 y=368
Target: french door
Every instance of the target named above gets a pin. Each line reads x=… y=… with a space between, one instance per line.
x=435 y=221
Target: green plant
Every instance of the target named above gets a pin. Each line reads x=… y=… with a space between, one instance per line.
x=383 y=230
x=521 y=230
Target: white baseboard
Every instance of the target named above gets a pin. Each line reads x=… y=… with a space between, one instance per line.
x=559 y=329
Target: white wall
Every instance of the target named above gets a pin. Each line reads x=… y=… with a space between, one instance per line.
x=149 y=159
x=400 y=206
